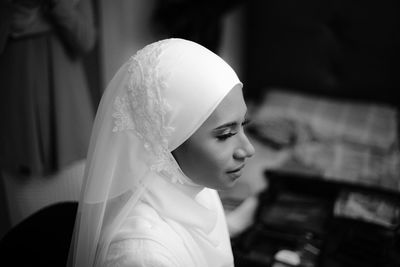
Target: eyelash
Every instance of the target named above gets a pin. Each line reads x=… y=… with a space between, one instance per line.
x=224 y=137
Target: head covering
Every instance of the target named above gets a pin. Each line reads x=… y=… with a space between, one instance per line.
x=156 y=101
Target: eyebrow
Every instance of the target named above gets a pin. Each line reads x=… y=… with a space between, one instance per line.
x=226 y=125
x=231 y=124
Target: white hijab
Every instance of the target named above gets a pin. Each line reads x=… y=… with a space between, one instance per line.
x=155 y=102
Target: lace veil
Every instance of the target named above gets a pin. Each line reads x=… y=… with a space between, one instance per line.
x=153 y=104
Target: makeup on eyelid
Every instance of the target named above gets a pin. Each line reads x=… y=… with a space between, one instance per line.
x=229 y=129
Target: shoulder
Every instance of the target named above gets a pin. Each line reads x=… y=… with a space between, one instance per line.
x=139 y=253
x=145 y=239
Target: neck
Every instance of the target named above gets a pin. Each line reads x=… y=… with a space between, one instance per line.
x=188 y=187
x=191 y=190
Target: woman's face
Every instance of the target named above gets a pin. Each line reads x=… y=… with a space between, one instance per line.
x=216 y=153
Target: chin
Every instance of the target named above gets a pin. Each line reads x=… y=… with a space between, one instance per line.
x=226 y=185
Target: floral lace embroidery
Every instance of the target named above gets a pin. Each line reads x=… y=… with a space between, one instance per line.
x=142 y=108
x=122 y=120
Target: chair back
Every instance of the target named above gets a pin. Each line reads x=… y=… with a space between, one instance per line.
x=43 y=239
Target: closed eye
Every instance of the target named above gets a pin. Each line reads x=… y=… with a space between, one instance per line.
x=223 y=137
x=230 y=131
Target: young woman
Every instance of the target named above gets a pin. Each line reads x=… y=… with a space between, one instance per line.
x=168 y=132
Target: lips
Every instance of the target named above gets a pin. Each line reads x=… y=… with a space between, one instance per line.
x=236 y=170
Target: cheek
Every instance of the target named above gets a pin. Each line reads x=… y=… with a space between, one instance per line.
x=205 y=161
x=216 y=156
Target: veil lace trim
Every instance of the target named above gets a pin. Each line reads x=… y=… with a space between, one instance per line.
x=142 y=109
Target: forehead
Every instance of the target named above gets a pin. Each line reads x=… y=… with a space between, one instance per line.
x=231 y=109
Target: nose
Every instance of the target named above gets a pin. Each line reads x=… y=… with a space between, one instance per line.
x=245 y=148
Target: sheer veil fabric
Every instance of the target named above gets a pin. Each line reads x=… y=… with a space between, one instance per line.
x=155 y=102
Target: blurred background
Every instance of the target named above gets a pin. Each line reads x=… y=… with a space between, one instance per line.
x=321 y=80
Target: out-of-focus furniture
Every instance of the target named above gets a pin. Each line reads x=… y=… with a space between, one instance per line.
x=299 y=213
x=333 y=197
x=42 y=239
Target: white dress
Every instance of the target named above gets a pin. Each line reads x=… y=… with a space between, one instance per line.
x=146 y=239
x=140 y=252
